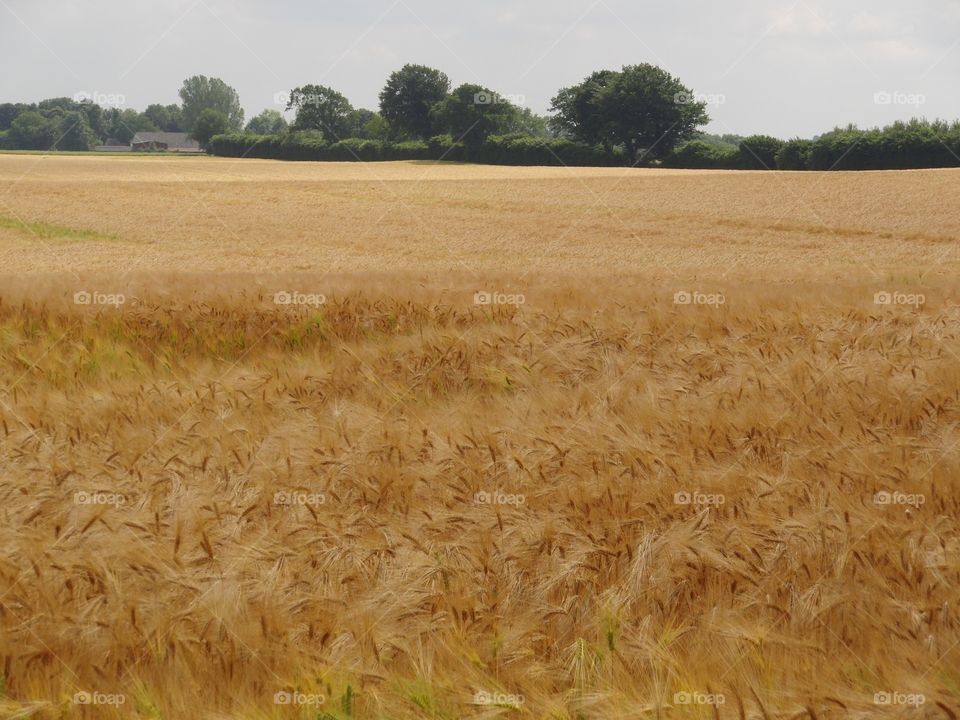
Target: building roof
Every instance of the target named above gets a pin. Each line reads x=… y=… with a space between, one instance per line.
x=172 y=140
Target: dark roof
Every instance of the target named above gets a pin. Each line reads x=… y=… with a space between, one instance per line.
x=170 y=139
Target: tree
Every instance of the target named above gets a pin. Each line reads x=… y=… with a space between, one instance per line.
x=200 y=93
x=577 y=116
x=648 y=111
x=269 y=122
x=32 y=131
x=408 y=97
x=642 y=108
x=529 y=123
x=321 y=108
x=759 y=152
x=168 y=118
x=9 y=112
x=124 y=124
x=74 y=132
x=368 y=125
x=471 y=113
x=211 y=122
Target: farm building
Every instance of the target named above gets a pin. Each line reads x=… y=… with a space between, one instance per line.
x=170 y=141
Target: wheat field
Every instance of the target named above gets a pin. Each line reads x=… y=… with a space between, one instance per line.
x=442 y=441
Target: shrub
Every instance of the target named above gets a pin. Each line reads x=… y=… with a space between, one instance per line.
x=794 y=155
x=698 y=155
x=758 y=152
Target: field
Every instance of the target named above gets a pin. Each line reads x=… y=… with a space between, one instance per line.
x=415 y=440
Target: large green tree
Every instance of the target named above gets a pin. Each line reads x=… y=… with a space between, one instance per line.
x=269 y=122
x=168 y=118
x=408 y=97
x=124 y=124
x=211 y=122
x=321 y=108
x=642 y=108
x=576 y=114
x=74 y=132
x=200 y=93
x=471 y=113
x=9 y=112
x=32 y=131
x=368 y=125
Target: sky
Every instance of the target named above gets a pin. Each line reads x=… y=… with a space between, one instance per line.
x=794 y=68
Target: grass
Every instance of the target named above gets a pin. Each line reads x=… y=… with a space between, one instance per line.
x=47 y=231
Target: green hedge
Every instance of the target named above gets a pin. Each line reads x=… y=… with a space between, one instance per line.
x=914 y=144
x=501 y=150
x=698 y=155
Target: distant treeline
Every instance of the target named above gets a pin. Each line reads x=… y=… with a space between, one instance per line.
x=904 y=145
x=639 y=115
x=901 y=146
x=513 y=149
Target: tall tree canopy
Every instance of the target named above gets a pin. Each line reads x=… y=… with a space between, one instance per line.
x=269 y=122
x=321 y=108
x=200 y=93
x=471 y=113
x=642 y=108
x=408 y=97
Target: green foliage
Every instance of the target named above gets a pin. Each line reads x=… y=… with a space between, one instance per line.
x=199 y=93
x=575 y=109
x=700 y=155
x=123 y=125
x=74 y=132
x=647 y=111
x=269 y=122
x=759 y=152
x=903 y=145
x=408 y=97
x=9 y=112
x=168 y=118
x=515 y=149
x=368 y=125
x=32 y=131
x=471 y=113
x=794 y=155
x=211 y=122
x=641 y=108
x=321 y=108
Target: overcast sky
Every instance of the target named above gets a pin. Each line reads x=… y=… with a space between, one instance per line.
x=783 y=68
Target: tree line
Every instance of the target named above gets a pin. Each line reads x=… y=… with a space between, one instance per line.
x=638 y=115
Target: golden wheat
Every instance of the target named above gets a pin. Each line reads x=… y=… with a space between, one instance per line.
x=605 y=501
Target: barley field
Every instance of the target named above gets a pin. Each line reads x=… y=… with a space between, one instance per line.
x=416 y=440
